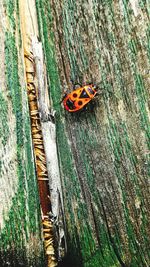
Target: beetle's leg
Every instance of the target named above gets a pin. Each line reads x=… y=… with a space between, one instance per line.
x=85 y=108
x=99 y=93
x=64 y=95
x=91 y=106
x=75 y=84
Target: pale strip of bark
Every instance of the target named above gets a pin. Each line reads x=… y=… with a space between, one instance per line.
x=49 y=139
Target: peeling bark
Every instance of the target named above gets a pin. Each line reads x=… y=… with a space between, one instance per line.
x=47 y=117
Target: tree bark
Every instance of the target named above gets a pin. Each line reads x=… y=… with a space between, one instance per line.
x=103 y=152
x=21 y=242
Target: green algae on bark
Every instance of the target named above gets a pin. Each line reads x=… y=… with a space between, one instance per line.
x=20 y=237
x=103 y=152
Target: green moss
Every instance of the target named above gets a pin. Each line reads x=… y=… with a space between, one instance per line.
x=148 y=42
x=22 y=223
x=10 y=9
x=78 y=135
x=85 y=240
x=142 y=97
x=120 y=145
x=4 y=129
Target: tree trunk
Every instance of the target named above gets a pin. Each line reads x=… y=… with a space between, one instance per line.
x=20 y=224
x=103 y=151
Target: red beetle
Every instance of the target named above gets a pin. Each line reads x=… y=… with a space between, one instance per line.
x=79 y=98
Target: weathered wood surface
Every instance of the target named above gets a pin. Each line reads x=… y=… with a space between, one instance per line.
x=21 y=241
x=103 y=153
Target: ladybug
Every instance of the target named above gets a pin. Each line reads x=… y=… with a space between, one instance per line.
x=79 y=98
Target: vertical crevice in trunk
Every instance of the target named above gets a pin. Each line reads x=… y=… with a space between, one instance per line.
x=43 y=135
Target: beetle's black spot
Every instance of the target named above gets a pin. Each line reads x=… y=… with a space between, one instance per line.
x=79 y=103
x=84 y=94
x=74 y=95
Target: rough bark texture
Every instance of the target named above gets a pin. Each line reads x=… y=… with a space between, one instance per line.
x=103 y=151
x=20 y=225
